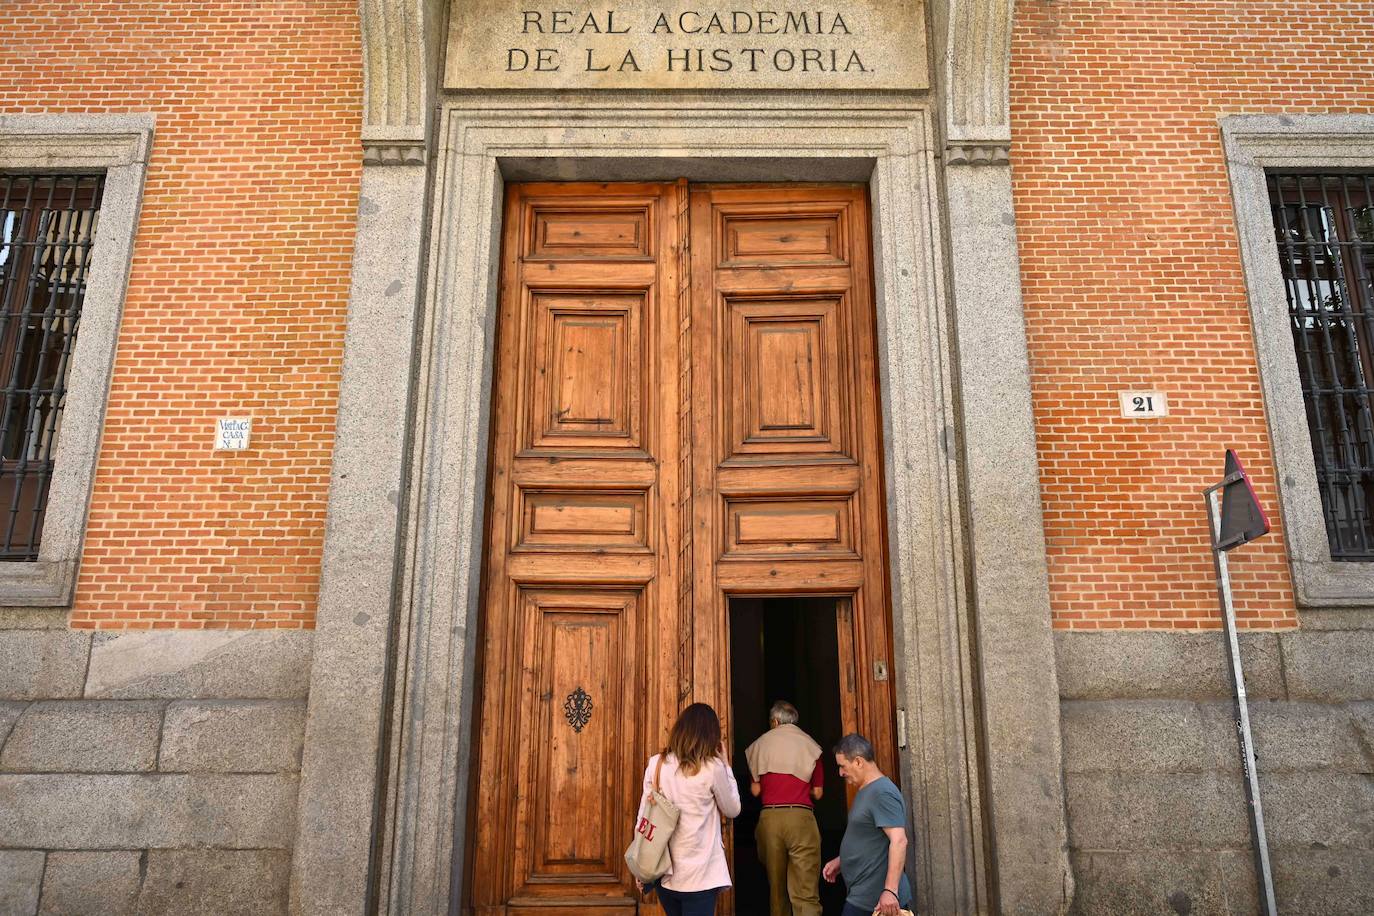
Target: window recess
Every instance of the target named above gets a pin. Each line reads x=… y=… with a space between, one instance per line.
x=1324 y=229
x=47 y=230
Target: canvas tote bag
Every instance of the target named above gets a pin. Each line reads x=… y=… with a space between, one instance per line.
x=647 y=856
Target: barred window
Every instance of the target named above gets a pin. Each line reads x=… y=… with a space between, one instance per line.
x=1324 y=227
x=47 y=228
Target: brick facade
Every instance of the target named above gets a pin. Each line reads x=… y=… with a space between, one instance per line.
x=1132 y=279
x=237 y=297
x=236 y=300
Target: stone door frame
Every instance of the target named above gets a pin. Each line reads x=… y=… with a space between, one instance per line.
x=381 y=809
x=486 y=140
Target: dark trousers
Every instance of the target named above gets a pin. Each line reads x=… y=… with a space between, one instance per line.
x=693 y=903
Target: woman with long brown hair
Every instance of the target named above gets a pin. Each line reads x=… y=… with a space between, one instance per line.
x=696 y=777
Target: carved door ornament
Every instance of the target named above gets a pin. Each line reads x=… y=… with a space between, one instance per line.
x=577 y=709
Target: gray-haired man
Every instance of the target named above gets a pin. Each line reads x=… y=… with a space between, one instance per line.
x=873 y=851
x=786 y=768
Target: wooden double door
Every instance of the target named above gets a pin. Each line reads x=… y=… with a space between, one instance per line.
x=685 y=409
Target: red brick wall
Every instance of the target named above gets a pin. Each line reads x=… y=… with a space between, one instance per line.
x=237 y=296
x=1132 y=279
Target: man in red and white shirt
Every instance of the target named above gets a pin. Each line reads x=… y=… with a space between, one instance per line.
x=785 y=764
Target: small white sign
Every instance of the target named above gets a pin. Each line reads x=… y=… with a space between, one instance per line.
x=231 y=433
x=1144 y=404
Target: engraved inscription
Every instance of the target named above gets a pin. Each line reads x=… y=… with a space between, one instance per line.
x=641 y=44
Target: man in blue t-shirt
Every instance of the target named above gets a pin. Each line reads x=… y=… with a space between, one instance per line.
x=873 y=851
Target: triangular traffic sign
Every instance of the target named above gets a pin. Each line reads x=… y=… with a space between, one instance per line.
x=1242 y=517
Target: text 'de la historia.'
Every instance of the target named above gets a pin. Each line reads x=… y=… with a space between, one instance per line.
x=787 y=41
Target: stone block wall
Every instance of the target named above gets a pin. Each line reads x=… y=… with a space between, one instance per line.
x=149 y=772
x=1153 y=783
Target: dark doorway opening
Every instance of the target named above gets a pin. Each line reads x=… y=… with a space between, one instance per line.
x=785 y=649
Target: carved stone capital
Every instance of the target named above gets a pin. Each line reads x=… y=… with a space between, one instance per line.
x=992 y=152
x=394 y=152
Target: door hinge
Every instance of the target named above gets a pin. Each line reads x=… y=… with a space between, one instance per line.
x=901 y=727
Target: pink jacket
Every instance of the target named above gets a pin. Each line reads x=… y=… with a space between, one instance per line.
x=697 y=851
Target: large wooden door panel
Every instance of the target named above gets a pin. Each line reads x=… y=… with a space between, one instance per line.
x=810 y=527
x=788 y=462
x=684 y=409
x=621 y=230
x=579 y=607
x=609 y=520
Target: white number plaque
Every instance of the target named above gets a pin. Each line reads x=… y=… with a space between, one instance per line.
x=1140 y=404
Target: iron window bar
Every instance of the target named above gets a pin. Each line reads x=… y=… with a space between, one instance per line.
x=1324 y=230
x=47 y=229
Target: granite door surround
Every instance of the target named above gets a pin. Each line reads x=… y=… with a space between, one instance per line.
x=389 y=726
x=485 y=141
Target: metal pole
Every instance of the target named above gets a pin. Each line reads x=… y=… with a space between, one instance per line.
x=1212 y=497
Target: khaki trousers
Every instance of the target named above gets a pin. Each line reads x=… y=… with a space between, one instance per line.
x=790 y=848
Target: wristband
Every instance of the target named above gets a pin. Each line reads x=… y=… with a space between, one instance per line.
x=893 y=893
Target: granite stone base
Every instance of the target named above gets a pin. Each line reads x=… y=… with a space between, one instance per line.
x=149 y=773
x=1153 y=782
